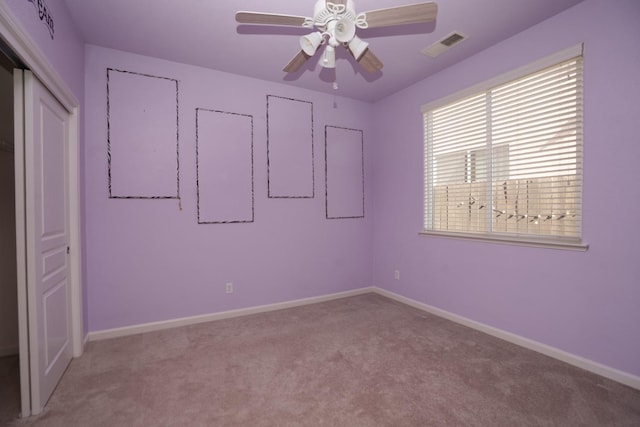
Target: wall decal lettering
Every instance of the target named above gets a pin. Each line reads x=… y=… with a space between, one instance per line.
x=44 y=13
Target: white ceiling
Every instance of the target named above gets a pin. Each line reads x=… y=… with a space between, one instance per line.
x=204 y=33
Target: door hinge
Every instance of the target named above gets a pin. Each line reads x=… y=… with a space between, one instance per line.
x=68 y=250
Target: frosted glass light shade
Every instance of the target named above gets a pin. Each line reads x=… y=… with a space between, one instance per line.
x=344 y=30
x=310 y=43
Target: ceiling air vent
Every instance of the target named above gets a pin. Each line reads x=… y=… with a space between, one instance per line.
x=443 y=45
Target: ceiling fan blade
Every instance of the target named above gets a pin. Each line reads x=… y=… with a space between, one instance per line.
x=270 y=19
x=370 y=62
x=410 y=14
x=297 y=62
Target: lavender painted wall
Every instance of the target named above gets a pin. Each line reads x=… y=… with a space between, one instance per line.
x=65 y=53
x=583 y=303
x=147 y=260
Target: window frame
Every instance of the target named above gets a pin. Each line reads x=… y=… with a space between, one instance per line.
x=555 y=242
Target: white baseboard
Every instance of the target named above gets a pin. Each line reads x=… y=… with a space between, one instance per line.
x=586 y=364
x=11 y=350
x=156 y=326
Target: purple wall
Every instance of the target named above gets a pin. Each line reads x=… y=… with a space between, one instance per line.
x=148 y=261
x=145 y=260
x=65 y=53
x=583 y=303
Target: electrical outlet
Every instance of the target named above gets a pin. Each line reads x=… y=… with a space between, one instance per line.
x=229 y=288
x=396 y=274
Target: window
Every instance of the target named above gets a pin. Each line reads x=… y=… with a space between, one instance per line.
x=504 y=161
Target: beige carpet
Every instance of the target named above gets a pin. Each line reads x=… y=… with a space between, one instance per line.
x=360 y=361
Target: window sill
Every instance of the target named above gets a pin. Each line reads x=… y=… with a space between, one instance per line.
x=535 y=242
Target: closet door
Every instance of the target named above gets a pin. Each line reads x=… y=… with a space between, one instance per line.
x=46 y=131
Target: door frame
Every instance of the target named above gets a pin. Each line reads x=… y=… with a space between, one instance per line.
x=28 y=51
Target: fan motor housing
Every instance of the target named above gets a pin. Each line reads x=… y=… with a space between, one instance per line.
x=324 y=12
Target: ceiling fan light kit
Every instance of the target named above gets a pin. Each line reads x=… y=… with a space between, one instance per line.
x=311 y=42
x=343 y=30
x=337 y=22
x=329 y=57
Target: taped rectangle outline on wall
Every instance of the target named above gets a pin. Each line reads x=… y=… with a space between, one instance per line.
x=326 y=172
x=313 y=185
x=198 y=170
x=111 y=196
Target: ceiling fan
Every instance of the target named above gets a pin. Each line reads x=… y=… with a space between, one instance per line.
x=336 y=22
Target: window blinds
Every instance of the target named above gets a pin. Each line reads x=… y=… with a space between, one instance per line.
x=509 y=159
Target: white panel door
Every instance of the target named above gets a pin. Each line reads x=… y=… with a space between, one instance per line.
x=47 y=221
